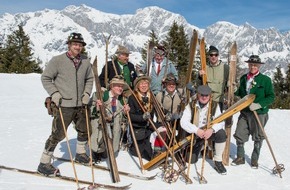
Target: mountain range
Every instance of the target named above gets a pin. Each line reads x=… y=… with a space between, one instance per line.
x=48 y=30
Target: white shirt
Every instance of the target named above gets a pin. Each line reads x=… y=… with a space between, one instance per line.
x=189 y=127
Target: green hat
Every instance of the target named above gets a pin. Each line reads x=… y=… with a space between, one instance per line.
x=76 y=37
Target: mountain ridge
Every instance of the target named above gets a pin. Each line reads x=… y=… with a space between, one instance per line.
x=49 y=28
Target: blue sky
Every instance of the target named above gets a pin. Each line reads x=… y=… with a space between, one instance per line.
x=201 y=13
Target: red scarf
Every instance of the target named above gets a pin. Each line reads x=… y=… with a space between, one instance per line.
x=252 y=75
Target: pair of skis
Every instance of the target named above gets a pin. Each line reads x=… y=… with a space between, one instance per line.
x=69 y=179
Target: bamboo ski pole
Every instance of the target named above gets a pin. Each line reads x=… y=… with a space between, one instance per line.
x=89 y=144
x=188 y=180
x=279 y=167
x=205 y=141
x=68 y=147
x=134 y=140
x=191 y=145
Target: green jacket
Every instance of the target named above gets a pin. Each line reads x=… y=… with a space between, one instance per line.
x=263 y=89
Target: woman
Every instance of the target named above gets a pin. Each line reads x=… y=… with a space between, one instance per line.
x=139 y=118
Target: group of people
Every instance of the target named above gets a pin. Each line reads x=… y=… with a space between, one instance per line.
x=68 y=79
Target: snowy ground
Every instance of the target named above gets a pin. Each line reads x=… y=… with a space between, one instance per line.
x=25 y=125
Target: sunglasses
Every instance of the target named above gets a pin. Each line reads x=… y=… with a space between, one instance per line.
x=204 y=95
x=213 y=55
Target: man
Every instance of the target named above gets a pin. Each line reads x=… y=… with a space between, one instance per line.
x=116 y=110
x=217 y=74
x=160 y=67
x=256 y=83
x=194 y=120
x=68 y=79
x=119 y=65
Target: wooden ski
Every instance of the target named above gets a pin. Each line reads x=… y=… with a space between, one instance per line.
x=108 y=141
x=238 y=106
x=203 y=60
x=69 y=179
x=149 y=57
x=193 y=43
x=230 y=100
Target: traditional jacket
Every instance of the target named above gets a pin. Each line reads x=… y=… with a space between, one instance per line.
x=111 y=72
x=156 y=80
x=262 y=87
x=60 y=75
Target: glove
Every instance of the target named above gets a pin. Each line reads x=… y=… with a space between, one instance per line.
x=168 y=117
x=255 y=106
x=146 y=116
x=85 y=98
x=189 y=86
x=176 y=116
x=55 y=98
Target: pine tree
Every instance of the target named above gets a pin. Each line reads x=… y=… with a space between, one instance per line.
x=152 y=38
x=178 y=50
x=287 y=87
x=279 y=89
x=16 y=56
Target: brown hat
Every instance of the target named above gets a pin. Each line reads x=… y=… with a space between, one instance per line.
x=161 y=50
x=204 y=89
x=122 y=50
x=254 y=59
x=170 y=78
x=118 y=79
x=76 y=37
x=140 y=78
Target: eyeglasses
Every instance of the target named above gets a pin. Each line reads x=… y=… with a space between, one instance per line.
x=204 y=95
x=213 y=55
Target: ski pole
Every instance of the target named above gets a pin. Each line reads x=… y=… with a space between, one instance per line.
x=89 y=143
x=68 y=147
x=279 y=167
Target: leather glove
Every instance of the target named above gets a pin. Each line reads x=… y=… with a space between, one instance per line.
x=255 y=106
x=55 y=98
x=85 y=98
x=168 y=117
x=146 y=116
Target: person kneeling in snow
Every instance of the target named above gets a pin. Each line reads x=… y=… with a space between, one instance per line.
x=194 y=119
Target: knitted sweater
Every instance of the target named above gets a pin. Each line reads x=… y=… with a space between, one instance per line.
x=61 y=76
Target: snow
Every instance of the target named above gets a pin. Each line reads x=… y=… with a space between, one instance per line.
x=25 y=125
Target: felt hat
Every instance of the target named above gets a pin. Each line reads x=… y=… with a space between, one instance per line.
x=118 y=79
x=140 y=78
x=170 y=78
x=161 y=50
x=254 y=59
x=122 y=50
x=76 y=37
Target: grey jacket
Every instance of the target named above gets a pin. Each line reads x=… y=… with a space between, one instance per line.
x=61 y=76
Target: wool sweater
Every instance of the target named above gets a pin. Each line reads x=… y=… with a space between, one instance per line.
x=60 y=75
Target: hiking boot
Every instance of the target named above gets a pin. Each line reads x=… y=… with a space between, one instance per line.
x=48 y=170
x=254 y=164
x=219 y=167
x=97 y=157
x=238 y=161
x=82 y=159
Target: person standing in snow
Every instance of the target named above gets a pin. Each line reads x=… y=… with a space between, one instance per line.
x=119 y=65
x=195 y=118
x=68 y=79
x=261 y=85
x=217 y=74
x=160 y=67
